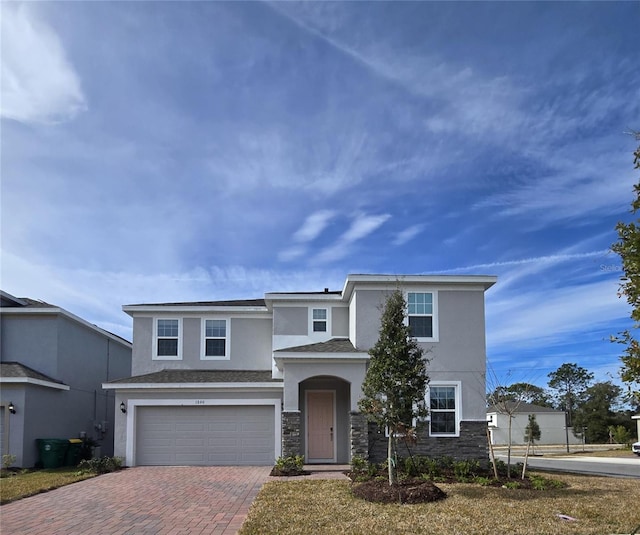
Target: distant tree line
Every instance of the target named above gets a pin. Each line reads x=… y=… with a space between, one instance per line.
x=595 y=410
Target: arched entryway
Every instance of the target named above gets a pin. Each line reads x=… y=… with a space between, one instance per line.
x=324 y=405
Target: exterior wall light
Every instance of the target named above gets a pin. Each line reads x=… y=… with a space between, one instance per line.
x=12 y=407
x=123 y=408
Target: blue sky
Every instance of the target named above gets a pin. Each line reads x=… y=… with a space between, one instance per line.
x=155 y=152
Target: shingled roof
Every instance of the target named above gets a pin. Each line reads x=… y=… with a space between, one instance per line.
x=201 y=376
x=231 y=303
x=17 y=370
x=335 y=345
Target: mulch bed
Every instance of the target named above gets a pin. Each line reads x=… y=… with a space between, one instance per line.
x=288 y=473
x=405 y=491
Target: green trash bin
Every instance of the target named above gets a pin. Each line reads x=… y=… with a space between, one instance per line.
x=52 y=451
x=72 y=457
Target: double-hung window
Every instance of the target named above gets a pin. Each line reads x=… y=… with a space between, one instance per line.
x=443 y=410
x=319 y=320
x=215 y=343
x=167 y=339
x=420 y=313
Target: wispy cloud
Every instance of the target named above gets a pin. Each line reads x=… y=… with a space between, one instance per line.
x=538 y=260
x=362 y=226
x=544 y=317
x=309 y=231
x=39 y=85
x=408 y=234
x=313 y=226
x=576 y=186
x=97 y=295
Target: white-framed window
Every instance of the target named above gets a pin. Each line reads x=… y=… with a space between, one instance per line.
x=215 y=339
x=421 y=315
x=167 y=339
x=319 y=320
x=444 y=409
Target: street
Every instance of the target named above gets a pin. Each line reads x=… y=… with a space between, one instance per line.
x=601 y=466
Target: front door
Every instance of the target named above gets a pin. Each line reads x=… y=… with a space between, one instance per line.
x=320 y=426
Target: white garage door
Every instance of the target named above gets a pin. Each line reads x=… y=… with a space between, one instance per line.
x=205 y=436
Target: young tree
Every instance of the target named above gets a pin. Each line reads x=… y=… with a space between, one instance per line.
x=507 y=400
x=628 y=247
x=395 y=385
x=532 y=431
x=569 y=382
x=531 y=434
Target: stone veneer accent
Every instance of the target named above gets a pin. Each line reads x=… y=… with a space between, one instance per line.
x=358 y=435
x=470 y=445
x=291 y=440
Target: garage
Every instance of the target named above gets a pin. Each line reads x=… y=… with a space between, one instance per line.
x=205 y=436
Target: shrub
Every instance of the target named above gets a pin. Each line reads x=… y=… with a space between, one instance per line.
x=542 y=483
x=101 y=465
x=620 y=434
x=292 y=465
x=363 y=469
x=7 y=460
x=429 y=468
x=465 y=470
x=359 y=464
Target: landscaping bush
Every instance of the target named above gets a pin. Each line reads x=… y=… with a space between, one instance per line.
x=542 y=483
x=292 y=465
x=448 y=470
x=465 y=470
x=362 y=469
x=101 y=465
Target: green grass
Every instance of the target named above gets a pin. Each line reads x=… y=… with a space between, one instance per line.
x=600 y=505
x=25 y=483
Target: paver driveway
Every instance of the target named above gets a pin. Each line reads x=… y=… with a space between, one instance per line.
x=142 y=501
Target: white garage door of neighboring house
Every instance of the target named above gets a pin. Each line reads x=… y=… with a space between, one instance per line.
x=205 y=436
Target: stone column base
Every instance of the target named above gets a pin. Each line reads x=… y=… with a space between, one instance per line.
x=291 y=439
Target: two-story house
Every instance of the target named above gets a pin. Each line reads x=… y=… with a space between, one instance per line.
x=244 y=382
x=53 y=364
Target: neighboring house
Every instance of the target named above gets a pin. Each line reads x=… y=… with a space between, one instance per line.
x=550 y=421
x=244 y=382
x=53 y=364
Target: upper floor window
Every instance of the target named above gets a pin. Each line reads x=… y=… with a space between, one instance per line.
x=215 y=343
x=420 y=311
x=167 y=339
x=443 y=409
x=319 y=320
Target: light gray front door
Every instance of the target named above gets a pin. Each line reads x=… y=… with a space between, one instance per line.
x=205 y=436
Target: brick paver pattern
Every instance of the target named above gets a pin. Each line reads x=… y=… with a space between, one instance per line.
x=211 y=500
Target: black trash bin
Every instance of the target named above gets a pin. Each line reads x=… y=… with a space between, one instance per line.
x=52 y=451
x=72 y=457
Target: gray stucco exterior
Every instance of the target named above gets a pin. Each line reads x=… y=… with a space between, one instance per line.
x=250 y=344
x=75 y=357
x=276 y=337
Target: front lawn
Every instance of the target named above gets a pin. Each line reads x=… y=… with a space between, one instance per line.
x=599 y=505
x=16 y=485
